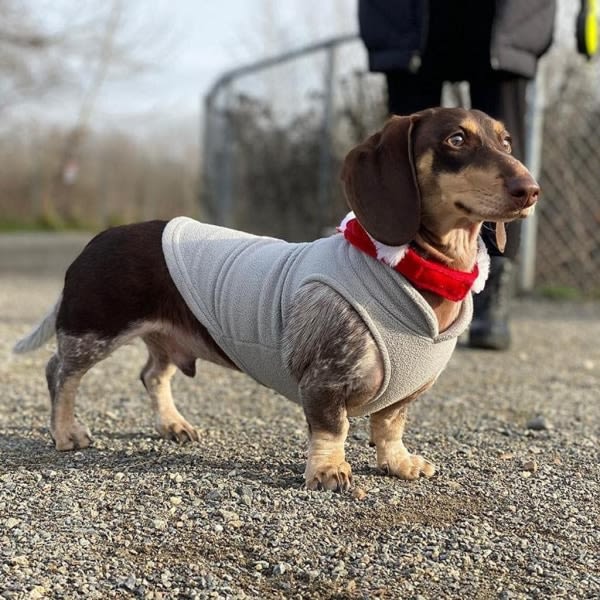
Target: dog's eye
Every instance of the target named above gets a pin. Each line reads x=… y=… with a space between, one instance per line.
x=507 y=145
x=456 y=140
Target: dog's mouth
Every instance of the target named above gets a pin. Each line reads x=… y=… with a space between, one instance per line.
x=508 y=215
x=463 y=208
x=499 y=220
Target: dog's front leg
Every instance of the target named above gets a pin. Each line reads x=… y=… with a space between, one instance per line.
x=387 y=428
x=326 y=466
x=338 y=367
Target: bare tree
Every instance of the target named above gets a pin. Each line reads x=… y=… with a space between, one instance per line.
x=68 y=165
x=76 y=46
x=29 y=54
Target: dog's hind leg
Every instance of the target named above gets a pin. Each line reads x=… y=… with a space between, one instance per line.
x=156 y=377
x=74 y=357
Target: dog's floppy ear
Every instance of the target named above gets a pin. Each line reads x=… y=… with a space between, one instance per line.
x=380 y=183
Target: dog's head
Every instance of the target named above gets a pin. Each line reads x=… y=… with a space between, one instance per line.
x=440 y=168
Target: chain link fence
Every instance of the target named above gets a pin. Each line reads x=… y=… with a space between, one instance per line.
x=568 y=233
x=276 y=132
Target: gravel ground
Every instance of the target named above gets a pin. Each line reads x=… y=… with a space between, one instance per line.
x=513 y=512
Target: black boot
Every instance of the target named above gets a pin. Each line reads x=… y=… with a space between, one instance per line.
x=489 y=328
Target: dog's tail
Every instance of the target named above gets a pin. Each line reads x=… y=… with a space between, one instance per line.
x=41 y=334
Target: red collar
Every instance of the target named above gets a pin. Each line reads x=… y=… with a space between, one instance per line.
x=422 y=273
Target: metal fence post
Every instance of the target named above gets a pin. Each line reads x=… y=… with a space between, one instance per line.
x=533 y=159
x=326 y=135
x=224 y=195
x=217 y=171
x=206 y=147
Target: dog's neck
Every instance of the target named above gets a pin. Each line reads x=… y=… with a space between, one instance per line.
x=456 y=248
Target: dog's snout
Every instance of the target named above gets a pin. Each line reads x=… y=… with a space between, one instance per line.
x=524 y=190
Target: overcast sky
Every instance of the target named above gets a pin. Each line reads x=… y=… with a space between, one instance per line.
x=202 y=39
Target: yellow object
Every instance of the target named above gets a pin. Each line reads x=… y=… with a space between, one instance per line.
x=587 y=28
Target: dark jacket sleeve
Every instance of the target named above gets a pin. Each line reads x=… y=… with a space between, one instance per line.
x=393 y=31
x=522 y=33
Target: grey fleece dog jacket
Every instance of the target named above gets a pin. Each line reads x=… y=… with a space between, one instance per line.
x=241 y=288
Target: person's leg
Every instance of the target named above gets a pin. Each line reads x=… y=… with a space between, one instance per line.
x=502 y=97
x=408 y=93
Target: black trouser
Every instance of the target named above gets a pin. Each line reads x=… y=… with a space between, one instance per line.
x=501 y=95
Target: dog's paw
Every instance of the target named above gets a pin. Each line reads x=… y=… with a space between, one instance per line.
x=177 y=430
x=328 y=476
x=407 y=466
x=74 y=437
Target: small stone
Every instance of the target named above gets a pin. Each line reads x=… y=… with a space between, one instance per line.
x=279 y=569
x=261 y=565
x=538 y=423
x=175 y=500
x=228 y=515
x=359 y=493
x=129 y=583
x=39 y=591
x=218 y=528
x=507 y=456
x=159 y=524
x=590 y=365
x=119 y=476
x=11 y=522
x=530 y=466
x=340 y=566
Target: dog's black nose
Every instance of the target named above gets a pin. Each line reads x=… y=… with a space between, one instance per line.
x=524 y=190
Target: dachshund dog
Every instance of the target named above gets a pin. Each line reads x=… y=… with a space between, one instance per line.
x=359 y=323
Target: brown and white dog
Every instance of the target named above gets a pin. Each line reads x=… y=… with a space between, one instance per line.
x=428 y=180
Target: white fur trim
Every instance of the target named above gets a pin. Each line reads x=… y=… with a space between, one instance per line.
x=390 y=255
x=483 y=263
x=348 y=217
